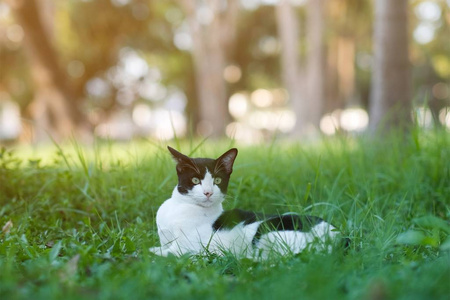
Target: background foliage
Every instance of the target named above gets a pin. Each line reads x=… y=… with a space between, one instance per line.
x=119 y=54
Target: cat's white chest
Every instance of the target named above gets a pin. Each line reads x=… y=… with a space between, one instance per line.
x=184 y=226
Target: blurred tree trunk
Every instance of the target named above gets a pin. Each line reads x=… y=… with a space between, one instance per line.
x=340 y=74
x=306 y=88
x=53 y=109
x=346 y=69
x=213 y=27
x=332 y=73
x=315 y=67
x=288 y=31
x=390 y=104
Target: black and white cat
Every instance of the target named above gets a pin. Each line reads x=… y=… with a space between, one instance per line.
x=193 y=220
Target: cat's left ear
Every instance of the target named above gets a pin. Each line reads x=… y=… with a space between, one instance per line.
x=225 y=161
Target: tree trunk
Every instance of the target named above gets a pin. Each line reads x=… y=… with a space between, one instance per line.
x=346 y=69
x=306 y=89
x=315 y=67
x=332 y=73
x=390 y=105
x=212 y=36
x=288 y=31
x=53 y=109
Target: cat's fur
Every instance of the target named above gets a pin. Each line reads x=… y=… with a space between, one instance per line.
x=193 y=220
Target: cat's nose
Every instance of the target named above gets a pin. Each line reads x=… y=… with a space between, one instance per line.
x=208 y=194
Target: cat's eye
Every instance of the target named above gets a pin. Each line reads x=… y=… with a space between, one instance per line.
x=195 y=180
x=217 y=180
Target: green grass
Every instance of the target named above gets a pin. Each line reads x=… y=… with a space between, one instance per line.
x=83 y=219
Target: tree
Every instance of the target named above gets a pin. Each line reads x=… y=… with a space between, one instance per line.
x=390 y=105
x=315 y=25
x=305 y=86
x=212 y=24
x=288 y=31
x=53 y=109
x=348 y=23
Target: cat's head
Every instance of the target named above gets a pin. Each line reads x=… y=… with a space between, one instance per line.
x=204 y=181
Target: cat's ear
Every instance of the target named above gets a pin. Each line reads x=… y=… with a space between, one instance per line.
x=179 y=157
x=225 y=161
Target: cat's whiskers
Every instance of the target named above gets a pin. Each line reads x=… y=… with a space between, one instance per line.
x=227 y=197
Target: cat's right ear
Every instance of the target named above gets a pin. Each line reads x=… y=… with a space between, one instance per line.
x=180 y=158
x=183 y=161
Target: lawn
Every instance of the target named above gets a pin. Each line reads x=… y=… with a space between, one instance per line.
x=77 y=222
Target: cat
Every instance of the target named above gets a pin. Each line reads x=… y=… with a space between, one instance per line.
x=193 y=221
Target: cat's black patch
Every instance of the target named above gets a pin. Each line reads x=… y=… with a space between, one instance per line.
x=286 y=222
x=230 y=218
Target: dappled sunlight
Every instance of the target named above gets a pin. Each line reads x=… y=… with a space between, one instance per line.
x=75 y=68
x=160 y=123
x=424 y=117
x=15 y=33
x=283 y=120
x=260 y=113
x=353 y=120
x=262 y=98
x=120 y=127
x=167 y=124
x=444 y=117
x=98 y=88
x=247 y=69
x=329 y=124
x=441 y=91
x=244 y=133
x=232 y=73
x=429 y=14
x=10 y=124
x=238 y=105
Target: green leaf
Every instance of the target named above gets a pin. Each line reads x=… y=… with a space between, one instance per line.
x=445 y=246
x=432 y=222
x=129 y=245
x=428 y=240
x=411 y=237
x=116 y=248
x=55 y=251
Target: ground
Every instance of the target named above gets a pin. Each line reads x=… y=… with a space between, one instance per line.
x=78 y=222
